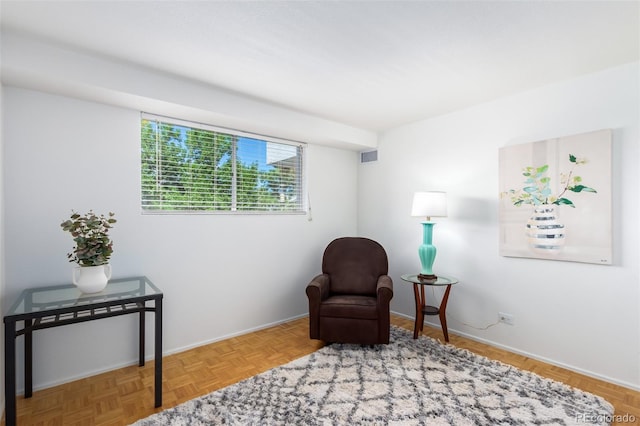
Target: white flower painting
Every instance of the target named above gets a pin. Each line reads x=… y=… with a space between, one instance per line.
x=555 y=199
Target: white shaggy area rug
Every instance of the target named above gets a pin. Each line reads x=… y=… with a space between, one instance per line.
x=408 y=382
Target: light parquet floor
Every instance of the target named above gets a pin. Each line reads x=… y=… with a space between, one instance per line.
x=122 y=396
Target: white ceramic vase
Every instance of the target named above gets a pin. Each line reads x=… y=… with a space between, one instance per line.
x=91 y=279
x=544 y=233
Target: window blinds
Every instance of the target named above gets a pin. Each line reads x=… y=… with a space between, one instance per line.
x=192 y=167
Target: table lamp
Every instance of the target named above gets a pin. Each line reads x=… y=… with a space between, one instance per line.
x=428 y=204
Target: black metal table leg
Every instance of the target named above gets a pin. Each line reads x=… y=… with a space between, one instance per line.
x=158 y=352
x=28 y=359
x=10 y=372
x=141 y=335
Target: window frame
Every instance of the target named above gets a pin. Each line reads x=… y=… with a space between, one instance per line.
x=301 y=175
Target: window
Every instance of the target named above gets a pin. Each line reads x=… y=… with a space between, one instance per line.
x=192 y=167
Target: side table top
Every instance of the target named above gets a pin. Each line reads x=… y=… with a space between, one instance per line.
x=441 y=280
x=41 y=300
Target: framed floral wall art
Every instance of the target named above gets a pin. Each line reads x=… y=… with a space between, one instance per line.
x=555 y=199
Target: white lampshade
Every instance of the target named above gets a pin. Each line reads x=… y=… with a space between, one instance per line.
x=428 y=204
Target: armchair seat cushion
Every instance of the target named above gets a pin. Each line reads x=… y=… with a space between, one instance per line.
x=349 y=306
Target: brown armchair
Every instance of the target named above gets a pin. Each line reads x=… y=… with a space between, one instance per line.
x=349 y=301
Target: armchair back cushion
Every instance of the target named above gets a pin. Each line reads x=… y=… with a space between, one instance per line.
x=354 y=265
x=349 y=301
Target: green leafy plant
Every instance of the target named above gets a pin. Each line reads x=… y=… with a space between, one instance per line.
x=537 y=188
x=91 y=235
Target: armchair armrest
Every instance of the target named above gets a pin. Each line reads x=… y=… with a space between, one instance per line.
x=384 y=290
x=317 y=291
x=318 y=288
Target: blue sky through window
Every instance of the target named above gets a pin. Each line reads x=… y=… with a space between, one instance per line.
x=251 y=151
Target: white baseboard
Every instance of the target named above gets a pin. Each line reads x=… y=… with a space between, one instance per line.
x=275 y=323
x=529 y=354
x=236 y=334
x=150 y=357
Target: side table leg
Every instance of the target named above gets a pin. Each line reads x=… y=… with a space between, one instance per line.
x=10 y=372
x=443 y=313
x=141 y=338
x=158 y=353
x=28 y=359
x=419 y=312
x=423 y=304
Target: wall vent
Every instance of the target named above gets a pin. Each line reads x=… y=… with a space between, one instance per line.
x=368 y=156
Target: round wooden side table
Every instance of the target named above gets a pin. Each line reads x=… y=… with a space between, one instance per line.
x=422 y=308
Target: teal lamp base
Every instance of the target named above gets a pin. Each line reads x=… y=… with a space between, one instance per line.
x=427 y=253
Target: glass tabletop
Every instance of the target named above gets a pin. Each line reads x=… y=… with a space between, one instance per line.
x=43 y=299
x=441 y=280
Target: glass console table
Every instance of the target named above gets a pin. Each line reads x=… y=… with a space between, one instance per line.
x=422 y=308
x=47 y=307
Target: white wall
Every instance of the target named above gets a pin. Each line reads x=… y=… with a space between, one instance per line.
x=221 y=274
x=63 y=153
x=583 y=316
x=2 y=280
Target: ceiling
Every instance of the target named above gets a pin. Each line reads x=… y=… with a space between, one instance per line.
x=368 y=64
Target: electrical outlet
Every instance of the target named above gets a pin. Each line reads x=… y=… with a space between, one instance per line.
x=506 y=318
